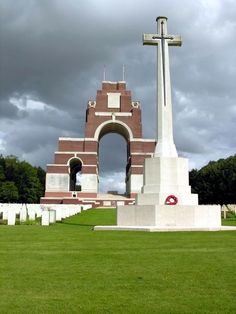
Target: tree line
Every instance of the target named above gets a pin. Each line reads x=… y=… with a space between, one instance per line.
x=215 y=183
x=20 y=182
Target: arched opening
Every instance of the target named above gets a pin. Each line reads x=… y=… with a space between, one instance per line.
x=113 y=126
x=113 y=156
x=113 y=152
x=75 y=174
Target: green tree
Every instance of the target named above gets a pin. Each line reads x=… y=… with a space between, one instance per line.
x=2 y=169
x=27 y=183
x=41 y=174
x=11 y=167
x=216 y=182
x=8 y=192
x=2 y=174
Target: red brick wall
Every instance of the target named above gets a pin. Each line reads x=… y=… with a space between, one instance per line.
x=88 y=159
x=137 y=159
x=57 y=169
x=136 y=170
x=58 y=194
x=90 y=170
x=111 y=87
x=62 y=158
x=90 y=146
x=125 y=103
x=149 y=147
x=142 y=147
x=136 y=147
x=70 y=146
x=134 y=121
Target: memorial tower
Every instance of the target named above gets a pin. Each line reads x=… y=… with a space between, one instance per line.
x=113 y=111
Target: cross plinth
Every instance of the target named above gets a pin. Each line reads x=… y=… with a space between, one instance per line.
x=165 y=143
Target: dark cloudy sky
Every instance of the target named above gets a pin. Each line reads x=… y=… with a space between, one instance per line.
x=52 y=55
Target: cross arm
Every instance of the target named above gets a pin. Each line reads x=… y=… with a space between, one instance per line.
x=153 y=39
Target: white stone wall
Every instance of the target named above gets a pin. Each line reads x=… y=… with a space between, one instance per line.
x=204 y=216
x=89 y=183
x=136 y=183
x=57 y=182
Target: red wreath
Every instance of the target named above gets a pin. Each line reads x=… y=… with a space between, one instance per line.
x=171 y=200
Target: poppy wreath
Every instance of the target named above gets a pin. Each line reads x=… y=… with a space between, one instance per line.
x=171 y=200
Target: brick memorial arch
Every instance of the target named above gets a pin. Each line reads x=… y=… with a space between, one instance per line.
x=112 y=112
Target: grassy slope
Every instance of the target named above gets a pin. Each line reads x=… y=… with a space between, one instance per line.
x=68 y=268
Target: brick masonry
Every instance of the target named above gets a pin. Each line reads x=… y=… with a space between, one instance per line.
x=112 y=111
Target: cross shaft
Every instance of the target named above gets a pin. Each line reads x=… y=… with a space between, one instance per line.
x=165 y=143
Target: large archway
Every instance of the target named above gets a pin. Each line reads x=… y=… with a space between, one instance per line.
x=113 y=111
x=112 y=156
x=114 y=138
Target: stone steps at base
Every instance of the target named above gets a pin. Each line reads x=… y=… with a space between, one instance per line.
x=161 y=229
x=106 y=196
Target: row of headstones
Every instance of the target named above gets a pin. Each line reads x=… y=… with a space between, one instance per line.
x=58 y=212
x=25 y=212
x=47 y=213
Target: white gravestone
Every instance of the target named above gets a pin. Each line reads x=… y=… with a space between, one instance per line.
x=23 y=213
x=52 y=216
x=31 y=214
x=5 y=213
x=45 y=218
x=59 y=214
x=11 y=221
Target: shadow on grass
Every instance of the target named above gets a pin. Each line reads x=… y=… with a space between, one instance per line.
x=229 y=222
x=77 y=224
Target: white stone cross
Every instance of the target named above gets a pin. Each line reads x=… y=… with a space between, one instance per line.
x=165 y=143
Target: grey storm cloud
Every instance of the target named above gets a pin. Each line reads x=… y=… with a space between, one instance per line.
x=52 y=54
x=8 y=110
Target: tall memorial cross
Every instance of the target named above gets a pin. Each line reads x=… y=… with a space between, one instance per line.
x=165 y=143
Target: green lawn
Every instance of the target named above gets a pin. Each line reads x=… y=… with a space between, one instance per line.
x=229 y=222
x=69 y=268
